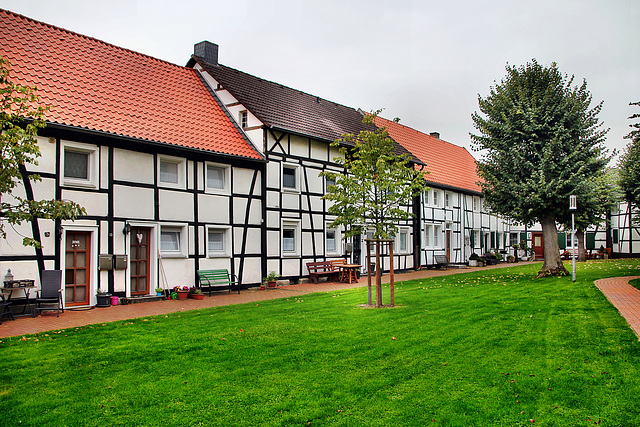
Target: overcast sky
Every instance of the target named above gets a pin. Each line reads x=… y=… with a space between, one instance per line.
x=424 y=61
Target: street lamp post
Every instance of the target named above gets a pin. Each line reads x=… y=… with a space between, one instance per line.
x=573 y=205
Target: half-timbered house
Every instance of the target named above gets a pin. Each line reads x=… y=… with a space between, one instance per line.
x=169 y=182
x=295 y=131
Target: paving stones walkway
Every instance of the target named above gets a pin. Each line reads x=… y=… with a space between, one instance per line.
x=624 y=297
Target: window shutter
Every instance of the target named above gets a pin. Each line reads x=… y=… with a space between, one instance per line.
x=590 y=240
x=523 y=236
x=615 y=235
x=562 y=240
x=472 y=238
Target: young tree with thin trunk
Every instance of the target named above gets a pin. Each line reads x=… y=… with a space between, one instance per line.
x=20 y=119
x=377 y=185
x=541 y=139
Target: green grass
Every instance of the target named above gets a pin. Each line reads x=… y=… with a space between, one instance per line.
x=635 y=283
x=493 y=348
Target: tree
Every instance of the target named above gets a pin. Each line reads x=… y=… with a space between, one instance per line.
x=375 y=187
x=629 y=165
x=542 y=139
x=20 y=118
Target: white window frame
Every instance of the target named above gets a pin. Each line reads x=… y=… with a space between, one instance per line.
x=428 y=235
x=447 y=199
x=476 y=239
x=435 y=197
x=327 y=182
x=291 y=224
x=181 y=252
x=92 y=164
x=438 y=237
x=226 y=242
x=243 y=119
x=181 y=172
x=296 y=168
x=398 y=241
x=477 y=205
x=337 y=240
x=226 y=174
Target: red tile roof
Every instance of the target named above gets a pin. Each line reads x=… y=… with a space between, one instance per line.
x=98 y=86
x=448 y=164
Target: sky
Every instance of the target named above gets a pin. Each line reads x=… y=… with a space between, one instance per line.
x=423 y=61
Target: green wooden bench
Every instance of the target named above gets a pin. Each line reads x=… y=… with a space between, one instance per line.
x=217 y=279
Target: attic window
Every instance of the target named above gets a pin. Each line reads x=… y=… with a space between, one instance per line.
x=243 y=119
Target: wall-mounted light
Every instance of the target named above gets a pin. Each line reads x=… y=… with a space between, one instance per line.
x=126 y=229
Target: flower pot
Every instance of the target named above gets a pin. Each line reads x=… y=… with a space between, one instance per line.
x=196 y=296
x=182 y=295
x=159 y=294
x=263 y=286
x=272 y=284
x=114 y=300
x=103 y=300
x=473 y=263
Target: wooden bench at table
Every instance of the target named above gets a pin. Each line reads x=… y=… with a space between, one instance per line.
x=217 y=279
x=441 y=261
x=321 y=269
x=337 y=262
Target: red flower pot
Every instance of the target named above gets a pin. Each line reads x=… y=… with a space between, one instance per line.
x=182 y=294
x=196 y=296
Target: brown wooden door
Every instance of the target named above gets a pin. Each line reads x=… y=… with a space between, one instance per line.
x=447 y=240
x=538 y=245
x=77 y=268
x=139 y=264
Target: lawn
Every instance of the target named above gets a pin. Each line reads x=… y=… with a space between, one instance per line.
x=493 y=348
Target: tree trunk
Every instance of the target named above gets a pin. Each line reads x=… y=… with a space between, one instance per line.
x=552 y=263
x=582 y=253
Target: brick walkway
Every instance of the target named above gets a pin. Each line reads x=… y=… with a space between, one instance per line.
x=76 y=318
x=624 y=297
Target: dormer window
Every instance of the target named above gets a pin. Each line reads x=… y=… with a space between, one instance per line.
x=243 y=119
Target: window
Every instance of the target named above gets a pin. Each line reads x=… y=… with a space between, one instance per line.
x=436 y=196
x=290 y=177
x=403 y=241
x=447 y=202
x=476 y=238
x=76 y=165
x=513 y=239
x=79 y=164
x=331 y=240
x=427 y=235
x=218 y=243
x=170 y=240
x=476 y=204
x=291 y=238
x=218 y=177
x=168 y=172
x=437 y=231
x=328 y=182
x=243 y=119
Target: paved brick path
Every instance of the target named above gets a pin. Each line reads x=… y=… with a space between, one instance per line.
x=624 y=297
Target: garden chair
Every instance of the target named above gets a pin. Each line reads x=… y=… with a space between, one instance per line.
x=50 y=293
x=6 y=311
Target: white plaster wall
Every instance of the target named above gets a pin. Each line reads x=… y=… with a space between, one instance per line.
x=133 y=166
x=316 y=182
x=175 y=206
x=290 y=267
x=179 y=271
x=273 y=174
x=213 y=208
x=96 y=204
x=253 y=246
x=291 y=201
x=47 y=160
x=242 y=181
x=273 y=199
x=273 y=219
x=132 y=202
x=319 y=151
x=299 y=146
x=252 y=271
x=273 y=243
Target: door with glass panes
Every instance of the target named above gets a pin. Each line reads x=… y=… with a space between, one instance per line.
x=139 y=264
x=77 y=268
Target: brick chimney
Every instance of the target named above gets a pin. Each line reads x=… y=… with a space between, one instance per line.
x=433 y=134
x=207 y=51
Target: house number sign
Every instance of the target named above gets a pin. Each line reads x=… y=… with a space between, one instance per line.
x=75 y=244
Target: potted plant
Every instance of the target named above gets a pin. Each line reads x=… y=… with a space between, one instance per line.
x=159 y=291
x=182 y=291
x=103 y=298
x=195 y=293
x=271 y=279
x=473 y=260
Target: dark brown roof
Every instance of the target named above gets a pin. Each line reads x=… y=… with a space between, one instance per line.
x=101 y=87
x=284 y=108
